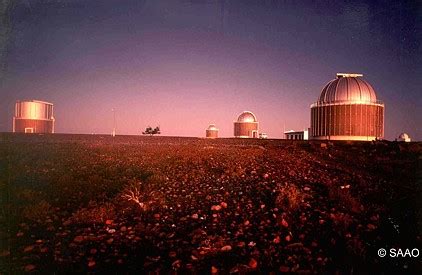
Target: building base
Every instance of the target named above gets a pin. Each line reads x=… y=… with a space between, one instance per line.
x=358 y=138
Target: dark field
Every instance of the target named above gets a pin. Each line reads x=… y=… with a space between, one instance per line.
x=207 y=206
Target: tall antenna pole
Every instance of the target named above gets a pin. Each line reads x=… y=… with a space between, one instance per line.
x=114 y=123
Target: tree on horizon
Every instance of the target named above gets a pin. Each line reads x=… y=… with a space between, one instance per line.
x=150 y=131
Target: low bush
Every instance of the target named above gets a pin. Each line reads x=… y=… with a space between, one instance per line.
x=94 y=213
x=344 y=198
x=37 y=211
x=289 y=197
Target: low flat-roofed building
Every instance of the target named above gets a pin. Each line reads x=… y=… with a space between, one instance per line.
x=297 y=135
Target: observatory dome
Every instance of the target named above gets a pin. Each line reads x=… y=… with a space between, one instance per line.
x=211 y=131
x=246 y=116
x=347 y=109
x=33 y=116
x=246 y=125
x=212 y=127
x=348 y=88
x=404 y=136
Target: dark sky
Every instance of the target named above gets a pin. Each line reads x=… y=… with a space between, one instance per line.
x=185 y=64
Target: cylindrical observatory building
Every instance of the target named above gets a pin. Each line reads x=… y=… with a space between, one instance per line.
x=246 y=126
x=347 y=109
x=33 y=116
x=211 y=131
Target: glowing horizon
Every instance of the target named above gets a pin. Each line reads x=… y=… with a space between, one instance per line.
x=183 y=65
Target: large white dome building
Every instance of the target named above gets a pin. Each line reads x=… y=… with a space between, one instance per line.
x=347 y=109
x=246 y=126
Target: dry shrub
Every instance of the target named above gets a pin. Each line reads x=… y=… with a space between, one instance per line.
x=132 y=192
x=135 y=192
x=26 y=195
x=94 y=214
x=342 y=221
x=37 y=211
x=345 y=199
x=235 y=171
x=289 y=197
x=157 y=179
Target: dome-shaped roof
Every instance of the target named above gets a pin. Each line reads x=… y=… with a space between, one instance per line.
x=348 y=87
x=212 y=127
x=404 y=136
x=246 y=116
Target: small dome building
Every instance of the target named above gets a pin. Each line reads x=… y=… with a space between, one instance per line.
x=404 y=137
x=33 y=116
x=246 y=126
x=211 y=131
x=347 y=109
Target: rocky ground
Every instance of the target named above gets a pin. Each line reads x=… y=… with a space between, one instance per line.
x=186 y=205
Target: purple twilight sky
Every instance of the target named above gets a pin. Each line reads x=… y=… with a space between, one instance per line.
x=185 y=64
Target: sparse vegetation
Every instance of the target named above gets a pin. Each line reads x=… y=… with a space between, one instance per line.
x=152 y=131
x=75 y=204
x=38 y=211
x=345 y=199
x=94 y=214
x=133 y=193
x=289 y=197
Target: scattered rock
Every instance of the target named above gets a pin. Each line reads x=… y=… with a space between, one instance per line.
x=176 y=264
x=253 y=263
x=78 y=239
x=251 y=244
x=216 y=208
x=91 y=263
x=240 y=177
x=284 y=223
x=28 y=248
x=214 y=270
x=284 y=269
x=29 y=268
x=4 y=253
x=371 y=226
x=111 y=230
